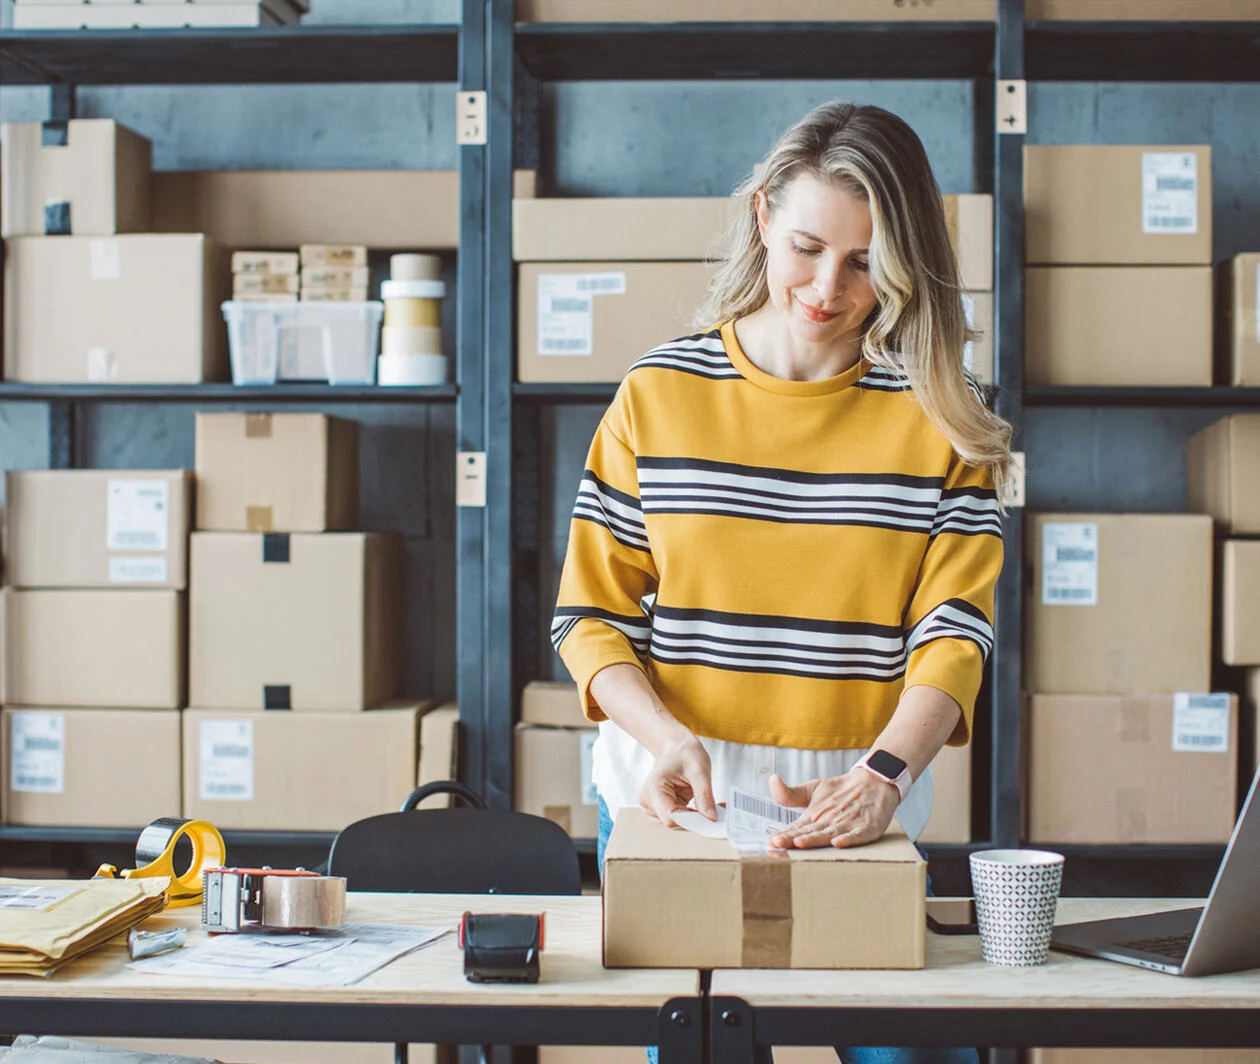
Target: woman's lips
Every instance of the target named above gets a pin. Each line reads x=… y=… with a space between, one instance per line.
x=814 y=314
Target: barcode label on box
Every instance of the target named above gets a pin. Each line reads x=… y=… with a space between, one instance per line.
x=601 y=284
x=38 y=762
x=566 y=310
x=1201 y=723
x=137 y=514
x=1170 y=192
x=751 y=819
x=590 y=796
x=1069 y=563
x=226 y=760
x=137 y=570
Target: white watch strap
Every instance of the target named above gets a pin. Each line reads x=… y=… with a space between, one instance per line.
x=903 y=782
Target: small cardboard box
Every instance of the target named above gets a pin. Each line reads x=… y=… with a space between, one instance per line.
x=951 y=802
x=276 y=473
x=1223 y=473
x=107 y=768
x=91 y=528
x=553 y=704
x=625 y=229
x=1111 y=205
x=1240 y=602
x=553 y=777
x=1135 y=11
x=121 y=648
x=978 y=354
x=298 y=772
x=1238 y=319
x=823 y=908
x=1123 y=326
x=590 y=321
x=756 y=10
x=138 y=309
x=439 y=752
x=1132 y=769
x=969 y=219
x=297 y=622
x=84 y=177
x=1118 y=604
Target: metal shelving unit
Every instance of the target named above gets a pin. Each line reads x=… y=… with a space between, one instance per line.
x=199 y=394
x=1222 y=398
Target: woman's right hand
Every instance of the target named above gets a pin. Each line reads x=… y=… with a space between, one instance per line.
x=681 y=773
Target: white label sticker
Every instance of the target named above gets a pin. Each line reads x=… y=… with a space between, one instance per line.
x=1170 y=192
x=1069 y=564
x=752 y=819
x=106 y=260
x=969 y=348
x=137 y=514
x=226 y=761
x=1201 y=723
x=38 y=762
x=566 y=316
x=586 y=741
x=35 y=899
x=601 y=284
x=137 y=570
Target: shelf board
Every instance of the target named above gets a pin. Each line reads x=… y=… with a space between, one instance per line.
x=1142 y=51
x=278 y=55
x=1186 y=852
x=128 y=836
x=226 y=393
x=635 y=51
x=1218 y=397
x=564 y=393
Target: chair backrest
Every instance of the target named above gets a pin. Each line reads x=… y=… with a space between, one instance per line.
x=456 y=851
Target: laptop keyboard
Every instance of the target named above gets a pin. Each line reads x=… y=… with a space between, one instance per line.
x=1172 y=946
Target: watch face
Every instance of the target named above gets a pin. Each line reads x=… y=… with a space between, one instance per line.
x=886 y=764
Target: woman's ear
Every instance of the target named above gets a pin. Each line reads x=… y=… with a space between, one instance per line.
x=761 y=209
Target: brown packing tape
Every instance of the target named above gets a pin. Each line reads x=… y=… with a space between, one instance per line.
x=1135 y=722
x=560 y=814
x=766 y=885
x=260 y=519
x=258 y=426
x=1131 y=815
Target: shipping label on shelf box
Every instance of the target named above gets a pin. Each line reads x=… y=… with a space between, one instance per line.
x=137 y=514
x=1170 y=192
x=137 y=570
x=1201 y=723
x=566 y=310
x=226 y=761
x=1069 y=564
x=39 y=753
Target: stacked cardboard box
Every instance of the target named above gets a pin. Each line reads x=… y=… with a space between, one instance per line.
x=93 y=639
x=1238 y=320
x=89 y=295
x=1119 y=252
x=293 y=632
x=265 y=276
x=334 y=273
x=155 y=14
x=1127 y=742
x=553 y=758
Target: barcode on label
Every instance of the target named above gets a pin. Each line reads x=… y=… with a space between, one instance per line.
x=1176 y=184
x=1190 y=739
x=25 y=782
x=1170 y=223
x=614 y=283
x=569 y=305
x=764 y=808
x=224 y=788
x=139 y=540
x=231 y=750
x=560 y=344
x=1075 y=554
x=39 y=742
x=1068 y=594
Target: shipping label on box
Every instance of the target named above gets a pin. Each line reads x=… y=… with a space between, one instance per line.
x=1170 y=192
x=37 y=744
x=226 y=760
x=1201 y=723
x=1069 y=563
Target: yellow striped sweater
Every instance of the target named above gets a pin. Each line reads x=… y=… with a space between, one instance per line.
x=780 y=557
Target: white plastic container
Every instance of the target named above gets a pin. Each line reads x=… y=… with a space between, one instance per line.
x=402 y=370
x=333 y=342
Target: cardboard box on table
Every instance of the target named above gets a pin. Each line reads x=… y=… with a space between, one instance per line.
x=553 y=777
x=1238 y=320
x=1223 y=473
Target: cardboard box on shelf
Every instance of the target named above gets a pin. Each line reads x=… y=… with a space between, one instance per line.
x=439 y=752
x=1125 y=769
x=138 y=309
x=591 y=321
x=1118 y=604
x=1111 y=205
x=1238 y=320
x=276 y=473
x=86 y=177
x=1240 y=602
x=264 y=284
x=94 y=648
x=1134 y=11
x=294 y=621
x=756 y=10
x=969 y=219
x=1223 y=473
x=96 y=528
x=951 y=803
x=978 y=354
x=1118 y=326
x=108 y=768
x=779 y=911
x=265 y=263
x=298 y=771
x=625 y=229
x=554 y=704
x=553 y=777
x=235 y=1051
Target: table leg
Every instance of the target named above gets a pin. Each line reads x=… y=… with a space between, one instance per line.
x=731 y=1035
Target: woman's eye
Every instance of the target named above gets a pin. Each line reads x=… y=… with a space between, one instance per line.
x=862 y=266
x=803 y=250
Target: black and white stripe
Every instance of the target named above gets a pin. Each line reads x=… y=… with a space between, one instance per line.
x=968 y=512
x=792 y=646
x=702 y=355
x=635 y=627
x=879 y=379
x=695 y=486
x=954 y=619
x=621 y=514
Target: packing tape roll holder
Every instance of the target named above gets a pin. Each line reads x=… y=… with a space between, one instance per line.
x=155 y=856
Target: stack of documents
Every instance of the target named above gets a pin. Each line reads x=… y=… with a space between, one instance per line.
x=46 y=923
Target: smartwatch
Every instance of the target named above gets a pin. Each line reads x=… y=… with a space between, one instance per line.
x=889 y=768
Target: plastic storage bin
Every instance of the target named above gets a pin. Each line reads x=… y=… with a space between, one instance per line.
x=335 y=342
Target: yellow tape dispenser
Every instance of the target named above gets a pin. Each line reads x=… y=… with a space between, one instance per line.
x=155 y=856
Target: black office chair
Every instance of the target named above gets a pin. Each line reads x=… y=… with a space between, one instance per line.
x=470 y=850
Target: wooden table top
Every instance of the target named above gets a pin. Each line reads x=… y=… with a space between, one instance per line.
x=957 y=977
x=572 y=968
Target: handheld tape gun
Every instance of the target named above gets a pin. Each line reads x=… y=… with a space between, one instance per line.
x=155 y=856
x=271 y=899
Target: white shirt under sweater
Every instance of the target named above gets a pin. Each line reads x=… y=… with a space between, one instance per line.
x=620 y=766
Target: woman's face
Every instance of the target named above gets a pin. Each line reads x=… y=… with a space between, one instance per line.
x=817 y=242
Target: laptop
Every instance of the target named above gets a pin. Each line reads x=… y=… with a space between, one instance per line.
x=1222 y=936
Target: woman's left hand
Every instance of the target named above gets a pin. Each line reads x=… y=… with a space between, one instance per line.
x=848 y=810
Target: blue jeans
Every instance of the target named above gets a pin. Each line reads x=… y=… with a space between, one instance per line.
x=849 y=1055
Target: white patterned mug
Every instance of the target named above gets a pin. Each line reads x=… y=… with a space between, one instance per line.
x=1017 y=894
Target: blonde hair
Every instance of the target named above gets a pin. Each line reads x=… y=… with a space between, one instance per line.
x=918 y=326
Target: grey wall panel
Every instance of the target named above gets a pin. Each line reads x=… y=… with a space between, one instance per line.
x=23 y=438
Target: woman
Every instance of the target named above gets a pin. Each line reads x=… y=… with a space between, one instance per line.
x=782 y=557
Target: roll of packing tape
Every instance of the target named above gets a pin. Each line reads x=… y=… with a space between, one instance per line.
x=410 y=369
x=413 y=313
x=413 y=290
x=304 y=902
x=415 y=267
x=411 y=340
x=155 y=855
